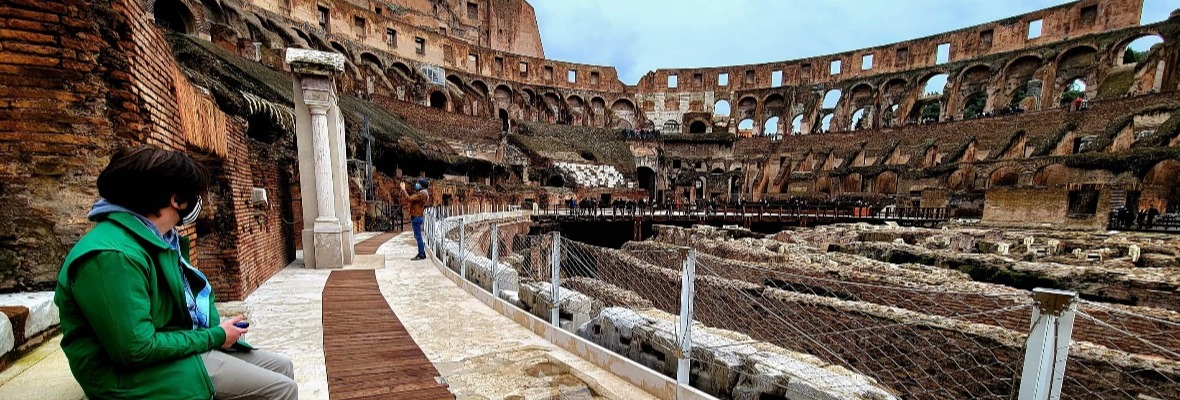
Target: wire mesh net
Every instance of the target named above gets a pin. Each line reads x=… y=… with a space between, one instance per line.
x=1123 y=352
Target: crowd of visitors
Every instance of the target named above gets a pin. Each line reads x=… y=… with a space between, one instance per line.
x=642 y=134
x=1128 y=218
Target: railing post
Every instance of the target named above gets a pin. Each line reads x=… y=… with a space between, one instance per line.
x=684 y=330
x=1047 y=347
x=462 y=248
x=495 y=259
x=555 y=310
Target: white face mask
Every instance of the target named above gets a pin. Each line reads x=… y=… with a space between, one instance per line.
x=191 y=213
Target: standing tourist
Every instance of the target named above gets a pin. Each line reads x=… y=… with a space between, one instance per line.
x=417 y=203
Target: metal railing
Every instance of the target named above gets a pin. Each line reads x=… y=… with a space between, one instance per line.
x=744 y=329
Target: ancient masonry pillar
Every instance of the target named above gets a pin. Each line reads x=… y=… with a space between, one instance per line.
x=326 y=244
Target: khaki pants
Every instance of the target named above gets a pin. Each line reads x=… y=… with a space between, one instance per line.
x=251 y=375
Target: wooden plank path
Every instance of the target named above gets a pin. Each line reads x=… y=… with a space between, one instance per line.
x=370 y=245
x=369 y=354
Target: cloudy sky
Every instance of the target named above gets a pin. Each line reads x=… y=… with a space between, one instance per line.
x=637 y=36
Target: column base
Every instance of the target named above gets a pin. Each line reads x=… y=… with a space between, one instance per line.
x=329 y=249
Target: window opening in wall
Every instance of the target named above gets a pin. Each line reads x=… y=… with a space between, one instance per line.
x=776 y=78
x=1083 y=203
x=420 y=43
x=902 y=57
x=723 y=79
x=1089 y=15
x=473 y=60
x=836 y=67
x=806 y=69
x=675 y=163
x=672 y=83
x=378 y=10
x=1137 y=50
x=1034 y=29
x=594 y=77
x=472 y=10
x=671 y=126
x=442 y=31
x=721 y=108
x=831 y=99
x=572 y=76
x=524 y=69
x=448 y=53
x=548 y=73
x=943 y=54
x=323 y=15
x=866 y=62
x=985 y=38
x=698 y=80
x=750 y=76
x=358 y=26
x=391 y=37
x=498 y=64
x=796 y=127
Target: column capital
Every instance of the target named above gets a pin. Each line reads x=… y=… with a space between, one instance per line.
x=314 y=62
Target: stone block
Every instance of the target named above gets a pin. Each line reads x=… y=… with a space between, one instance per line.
x=7 y=338
x=42 y=312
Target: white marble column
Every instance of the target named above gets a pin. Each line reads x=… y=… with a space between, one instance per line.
x=320 y=167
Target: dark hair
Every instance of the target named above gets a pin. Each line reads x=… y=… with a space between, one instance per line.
x=145 y=178
x=425 y=184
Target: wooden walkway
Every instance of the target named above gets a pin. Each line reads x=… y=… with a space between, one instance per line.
x=369 y=354
x=370 y=245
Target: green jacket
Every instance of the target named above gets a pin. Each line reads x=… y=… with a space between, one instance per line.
x=126 y=328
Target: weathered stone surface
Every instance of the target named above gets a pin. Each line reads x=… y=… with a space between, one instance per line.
x=7 y=337
x=43 y=313
x=314 y=62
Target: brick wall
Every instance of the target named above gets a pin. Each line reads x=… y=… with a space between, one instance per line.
x=1016 y=207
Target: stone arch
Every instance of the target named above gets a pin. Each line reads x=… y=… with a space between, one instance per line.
x=1007 y=176
x=746 y=107
x=1052 y=175
x=175 y=15
x=831 y=99
x=438 y=100
x=339 y=48
x=624 y=111
x=770 y=128
x=555 y=180
x=457 y=81
x=373 y=59
x=698 y=126
x=852 y=183
x=1075 y=63
x=972 y=82
x=825 y=123
x=671 y=126
x=797 y=125
x=646 y=177
x=774 y=104
x=577 y=108
x=479 y=87
x=1016 y=76
x=503 y=96
x=934 y=84
x=961 y=180
x=861 y=95
x=886 y=183
x=861 y=118
x=552 y=107
x=1146 y=40
x=745 y=127
x=722 y=108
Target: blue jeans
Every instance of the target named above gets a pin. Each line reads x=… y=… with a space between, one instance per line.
x=417 y=222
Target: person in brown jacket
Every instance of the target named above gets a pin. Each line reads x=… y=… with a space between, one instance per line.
x=417 y=204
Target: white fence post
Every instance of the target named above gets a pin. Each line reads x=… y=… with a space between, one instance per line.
x=426 y=231
x=495 y=259
x=555 y=310
x=462 y=248
x=1048 y=344
x=684 y=331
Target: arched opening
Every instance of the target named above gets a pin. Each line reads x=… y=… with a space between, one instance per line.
x=1004 y=177
x=1075 y=89
x=934 y=86
x=480 y=88
x=372 y=59
x=671 y=126
x=797 y=125
x=503 y=97
x=1052 y=175
x=1136 y=50
x=889 y=117
x=887 y=183
x=577 y=109
x=624 y=110
x=438 y=100
x=746 y=107
x=174 y=15
x=860 y=119
x=831 y=99
x=852 y=183
x=647 y=179
x=555 y=181
x=974 y=105
x=926 y=111
x=825 y=124
x=504 y=120
x=1162 y=184
x=698 y=127
x=770 y=128
x=1017 y=76
x=721 y=108
x=746 y=128
x=961 y=180
x=1076 y=63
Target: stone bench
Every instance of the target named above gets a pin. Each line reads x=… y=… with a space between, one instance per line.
x=26 y=320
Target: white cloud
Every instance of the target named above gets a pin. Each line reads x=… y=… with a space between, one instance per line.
x=637 y=36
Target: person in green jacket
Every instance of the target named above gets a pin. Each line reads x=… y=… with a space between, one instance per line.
x=138 y=320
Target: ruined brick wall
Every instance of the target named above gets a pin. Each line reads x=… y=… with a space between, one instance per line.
x=1034 y=206
x=86 y=77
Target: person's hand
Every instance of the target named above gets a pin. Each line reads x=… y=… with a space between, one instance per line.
x=402 y=185
x=232 y=333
